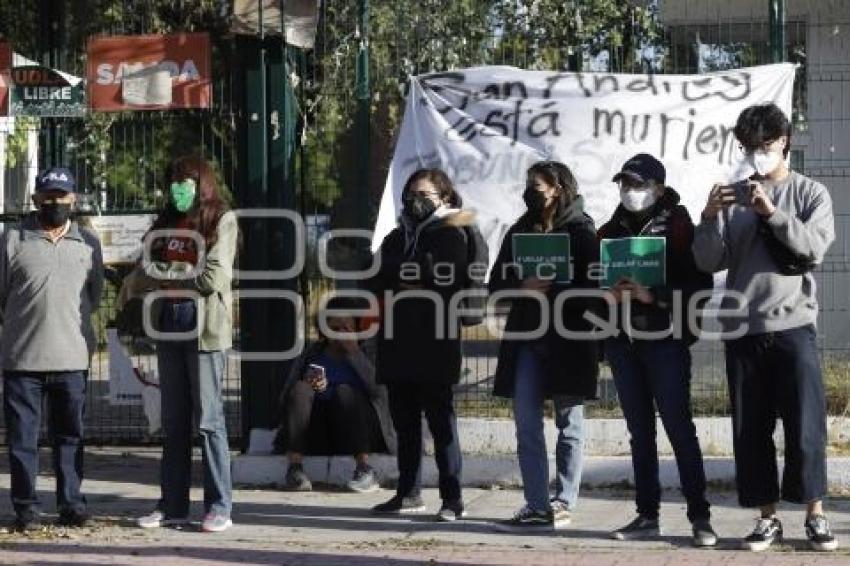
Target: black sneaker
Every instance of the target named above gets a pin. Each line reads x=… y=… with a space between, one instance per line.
x=529 y=518
x=28 y=522
x=451 y=511
x=704 y=535
x=399 y=506
x=296 y=479
x=365 y=480
x=641 y=528
x=768 y=530
x=73 y=518
x=819 y=534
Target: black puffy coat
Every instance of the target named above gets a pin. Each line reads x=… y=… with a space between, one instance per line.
x=571 y=366
x=414 y=353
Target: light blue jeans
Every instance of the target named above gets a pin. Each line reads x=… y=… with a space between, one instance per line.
x=529 y=396
x=191 y=383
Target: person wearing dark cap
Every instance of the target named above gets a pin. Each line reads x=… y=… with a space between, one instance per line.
x=51 y=278
x=655 y=373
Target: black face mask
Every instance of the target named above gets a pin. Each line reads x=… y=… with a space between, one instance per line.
x=535 y=201
x=418 y=207
x=54 y=214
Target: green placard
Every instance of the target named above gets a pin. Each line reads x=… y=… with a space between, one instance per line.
x=642 y=259
x=41 y=91
x=546 y=256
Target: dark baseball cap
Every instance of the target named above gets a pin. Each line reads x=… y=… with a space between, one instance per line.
x=642 y=167
x=55 y=179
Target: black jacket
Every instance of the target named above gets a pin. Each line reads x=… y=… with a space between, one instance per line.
x=571 y=366
x=671 y=220
x=414 y=352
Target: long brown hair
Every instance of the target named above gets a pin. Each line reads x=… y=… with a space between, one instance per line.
x=210 y=204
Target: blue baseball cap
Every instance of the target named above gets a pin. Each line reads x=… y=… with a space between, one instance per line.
x=55 y=179
x=642 y=167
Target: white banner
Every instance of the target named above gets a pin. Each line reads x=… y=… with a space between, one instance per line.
x=485 y=126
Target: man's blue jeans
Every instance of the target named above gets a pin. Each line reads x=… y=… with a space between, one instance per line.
x=658 y=373
x=191 y=386
x=66 y=395
x=529 y=396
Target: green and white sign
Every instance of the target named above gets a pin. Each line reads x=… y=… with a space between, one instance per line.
x=44 y=92
x=642 y=259
x=545 y=256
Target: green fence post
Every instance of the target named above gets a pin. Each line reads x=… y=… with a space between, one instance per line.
x=266 y=180
x=363 y=95
x=777 y=30
x=251 y=188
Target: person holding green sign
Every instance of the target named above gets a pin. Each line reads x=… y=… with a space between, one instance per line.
x=551 y=366
x=651 y=367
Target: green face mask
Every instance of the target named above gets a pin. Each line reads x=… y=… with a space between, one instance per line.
x=183 y=195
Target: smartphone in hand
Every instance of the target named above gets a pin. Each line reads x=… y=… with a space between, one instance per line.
x=736 y=193
x=315 y=376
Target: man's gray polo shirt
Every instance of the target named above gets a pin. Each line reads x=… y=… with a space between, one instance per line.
x=48 y=291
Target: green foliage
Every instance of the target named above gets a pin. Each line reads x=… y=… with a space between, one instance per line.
x=17 y=142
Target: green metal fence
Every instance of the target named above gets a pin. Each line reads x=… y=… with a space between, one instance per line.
x=350 y=92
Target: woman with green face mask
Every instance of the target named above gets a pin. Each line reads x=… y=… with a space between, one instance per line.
x=192 y=267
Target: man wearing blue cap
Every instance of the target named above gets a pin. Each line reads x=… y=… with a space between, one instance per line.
x=51 y=278
x=650 y=363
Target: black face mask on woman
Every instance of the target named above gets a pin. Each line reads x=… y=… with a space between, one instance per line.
x=419 y=207
x=54 y=214
x=535 y=201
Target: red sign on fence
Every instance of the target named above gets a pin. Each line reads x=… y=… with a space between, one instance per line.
x=5 y=69
x=149 y=72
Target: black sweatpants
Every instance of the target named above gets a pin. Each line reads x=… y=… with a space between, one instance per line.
x=344 y=424
x=770 y=375
x=407 y=403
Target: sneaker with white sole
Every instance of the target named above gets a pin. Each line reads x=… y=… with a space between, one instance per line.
x=216 y=523
x=529 y=518
x=819 y=534
x=704 y=535
x=641 y=528
x=157 y=519
x=451 y=511
x=400 y=506
x=365 y=480
x=767 y=531
x=561 y=516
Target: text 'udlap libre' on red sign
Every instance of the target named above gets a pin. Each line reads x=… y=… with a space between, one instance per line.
x=149 y=72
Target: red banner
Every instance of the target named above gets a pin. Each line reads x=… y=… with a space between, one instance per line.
x=149 y=72
x=5 y=81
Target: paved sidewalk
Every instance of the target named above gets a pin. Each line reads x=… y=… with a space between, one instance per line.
x=331 y=527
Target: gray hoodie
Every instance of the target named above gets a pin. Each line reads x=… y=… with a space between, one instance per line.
x=803 y=221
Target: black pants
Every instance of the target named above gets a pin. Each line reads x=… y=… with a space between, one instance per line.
x=23 y=396
x=407 y=403
x=770 y=375
x=344 y=424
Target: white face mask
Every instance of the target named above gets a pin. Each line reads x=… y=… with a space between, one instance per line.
x=637 y=200
x=765 y=162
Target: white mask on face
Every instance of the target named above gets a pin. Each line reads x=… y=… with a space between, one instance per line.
x=765 y=162
x=637 y=200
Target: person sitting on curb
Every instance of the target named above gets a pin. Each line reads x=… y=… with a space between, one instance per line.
x=332 y=404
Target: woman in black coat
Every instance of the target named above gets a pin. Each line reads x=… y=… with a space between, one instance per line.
x=418 y=358
x=552 y=366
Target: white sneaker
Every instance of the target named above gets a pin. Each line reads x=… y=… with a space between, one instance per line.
x=215 y=523
x=157 y=519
